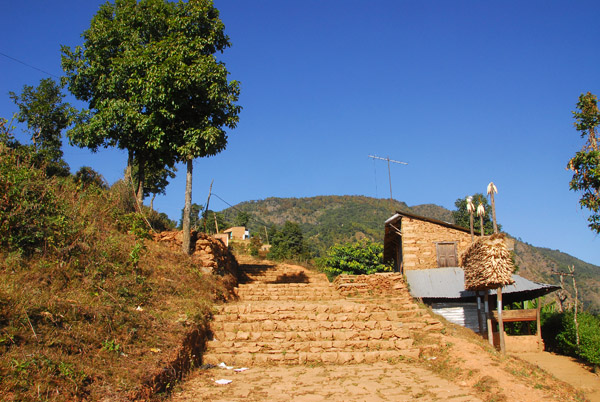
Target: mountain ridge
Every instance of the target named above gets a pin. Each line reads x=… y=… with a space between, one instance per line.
x=327 y=220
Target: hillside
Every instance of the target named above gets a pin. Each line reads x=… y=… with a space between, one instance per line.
x=91 y=308
x=327 y=220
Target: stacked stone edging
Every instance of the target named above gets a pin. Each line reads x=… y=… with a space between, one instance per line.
x=306 y=322
x=209 y=253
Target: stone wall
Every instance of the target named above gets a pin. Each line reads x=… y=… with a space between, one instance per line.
x=384 y=283
x=419 y=239
x=209 y=253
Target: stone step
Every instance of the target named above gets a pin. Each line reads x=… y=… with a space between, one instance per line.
x=310 y=325
x=286 y=292
x=293 y=358
x=341 y=334
x=260 y=285
x=334 y=307
x=223 y=347
x=308 y=316
x=291 y=297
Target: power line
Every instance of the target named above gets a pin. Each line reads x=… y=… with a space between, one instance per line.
x=239 y=210
x=29 y=65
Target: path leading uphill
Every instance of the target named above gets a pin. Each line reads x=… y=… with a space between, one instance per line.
x=301 y=340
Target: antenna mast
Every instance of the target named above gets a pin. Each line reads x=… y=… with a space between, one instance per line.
x=389 y=171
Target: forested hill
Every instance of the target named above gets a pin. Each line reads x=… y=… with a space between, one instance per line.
x=327 y=220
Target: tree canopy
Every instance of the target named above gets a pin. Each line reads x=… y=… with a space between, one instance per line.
x=586 y=163
x=287 y=243
x=46 y=115
x=153 y=84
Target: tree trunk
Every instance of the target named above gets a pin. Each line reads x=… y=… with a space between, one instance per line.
x=187 y=209
x=140 y=181
x=152 y=202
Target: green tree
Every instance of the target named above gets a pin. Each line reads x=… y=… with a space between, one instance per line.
x=156 y=178
x=586 y=163
x=154 y=86
x=462 y=217
x=358 y=258
x=87 y=176
x=194 y=217
x=46 y=115
x=288 y=243
x=242 y=218
x=208 y=221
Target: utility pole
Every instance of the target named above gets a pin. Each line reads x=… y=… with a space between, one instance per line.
x=389 y=171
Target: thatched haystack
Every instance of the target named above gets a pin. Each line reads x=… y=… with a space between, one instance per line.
x=487 y=263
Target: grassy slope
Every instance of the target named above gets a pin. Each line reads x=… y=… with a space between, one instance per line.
x=84 y=318
x=327 y=220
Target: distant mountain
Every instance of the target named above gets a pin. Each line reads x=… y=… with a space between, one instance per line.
x=327 y=220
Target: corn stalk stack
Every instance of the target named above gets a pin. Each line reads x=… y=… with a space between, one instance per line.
x=487 y=264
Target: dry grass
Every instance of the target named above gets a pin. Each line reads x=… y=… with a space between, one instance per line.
x=90 y=320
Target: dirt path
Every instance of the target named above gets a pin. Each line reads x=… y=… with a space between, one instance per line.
x=357 y=382
x=568 y=370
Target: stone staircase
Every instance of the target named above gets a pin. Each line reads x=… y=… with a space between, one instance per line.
x=290 y=315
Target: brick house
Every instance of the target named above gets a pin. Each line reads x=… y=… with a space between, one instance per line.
x=427 y=252
x=237 y=233
x=416 y=242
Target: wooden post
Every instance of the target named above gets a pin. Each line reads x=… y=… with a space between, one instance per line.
x=539 y=324
x=500 y=321
x=488 y=318
x=479 y=318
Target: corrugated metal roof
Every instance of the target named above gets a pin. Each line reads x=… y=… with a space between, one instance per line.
x=449 y=283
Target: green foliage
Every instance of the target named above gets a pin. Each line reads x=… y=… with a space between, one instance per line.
x=586 y=163
x=462 y=218
x=287 y=243
x=255 y=245
x=242 y=218
x=32 y=218
x=86 y=176
x=358 y=258
x=153 y=84
x=46 y=115
x=195 y=221
x=558 y=331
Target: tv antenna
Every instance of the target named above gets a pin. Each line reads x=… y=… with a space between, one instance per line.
x=389 y=171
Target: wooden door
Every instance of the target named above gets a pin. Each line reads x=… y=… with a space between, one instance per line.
x=446 y=255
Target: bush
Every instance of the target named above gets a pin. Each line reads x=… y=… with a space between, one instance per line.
x=288 y=243
x=361 y=257
x=32 y=218
x=558 y=332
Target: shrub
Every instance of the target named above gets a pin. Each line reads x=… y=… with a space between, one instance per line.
x=361 y=257
x=288 y=243
x=558 y=332
x=32 y=218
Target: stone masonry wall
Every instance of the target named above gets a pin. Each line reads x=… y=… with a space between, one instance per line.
x=419 y=240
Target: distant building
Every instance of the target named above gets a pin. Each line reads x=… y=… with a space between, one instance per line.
x=238 y=233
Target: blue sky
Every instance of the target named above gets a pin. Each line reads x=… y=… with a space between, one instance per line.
x=466 y=92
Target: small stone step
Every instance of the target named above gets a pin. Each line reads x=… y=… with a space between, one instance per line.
x=317 y=317
x=293 y=358
x=316 y=335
